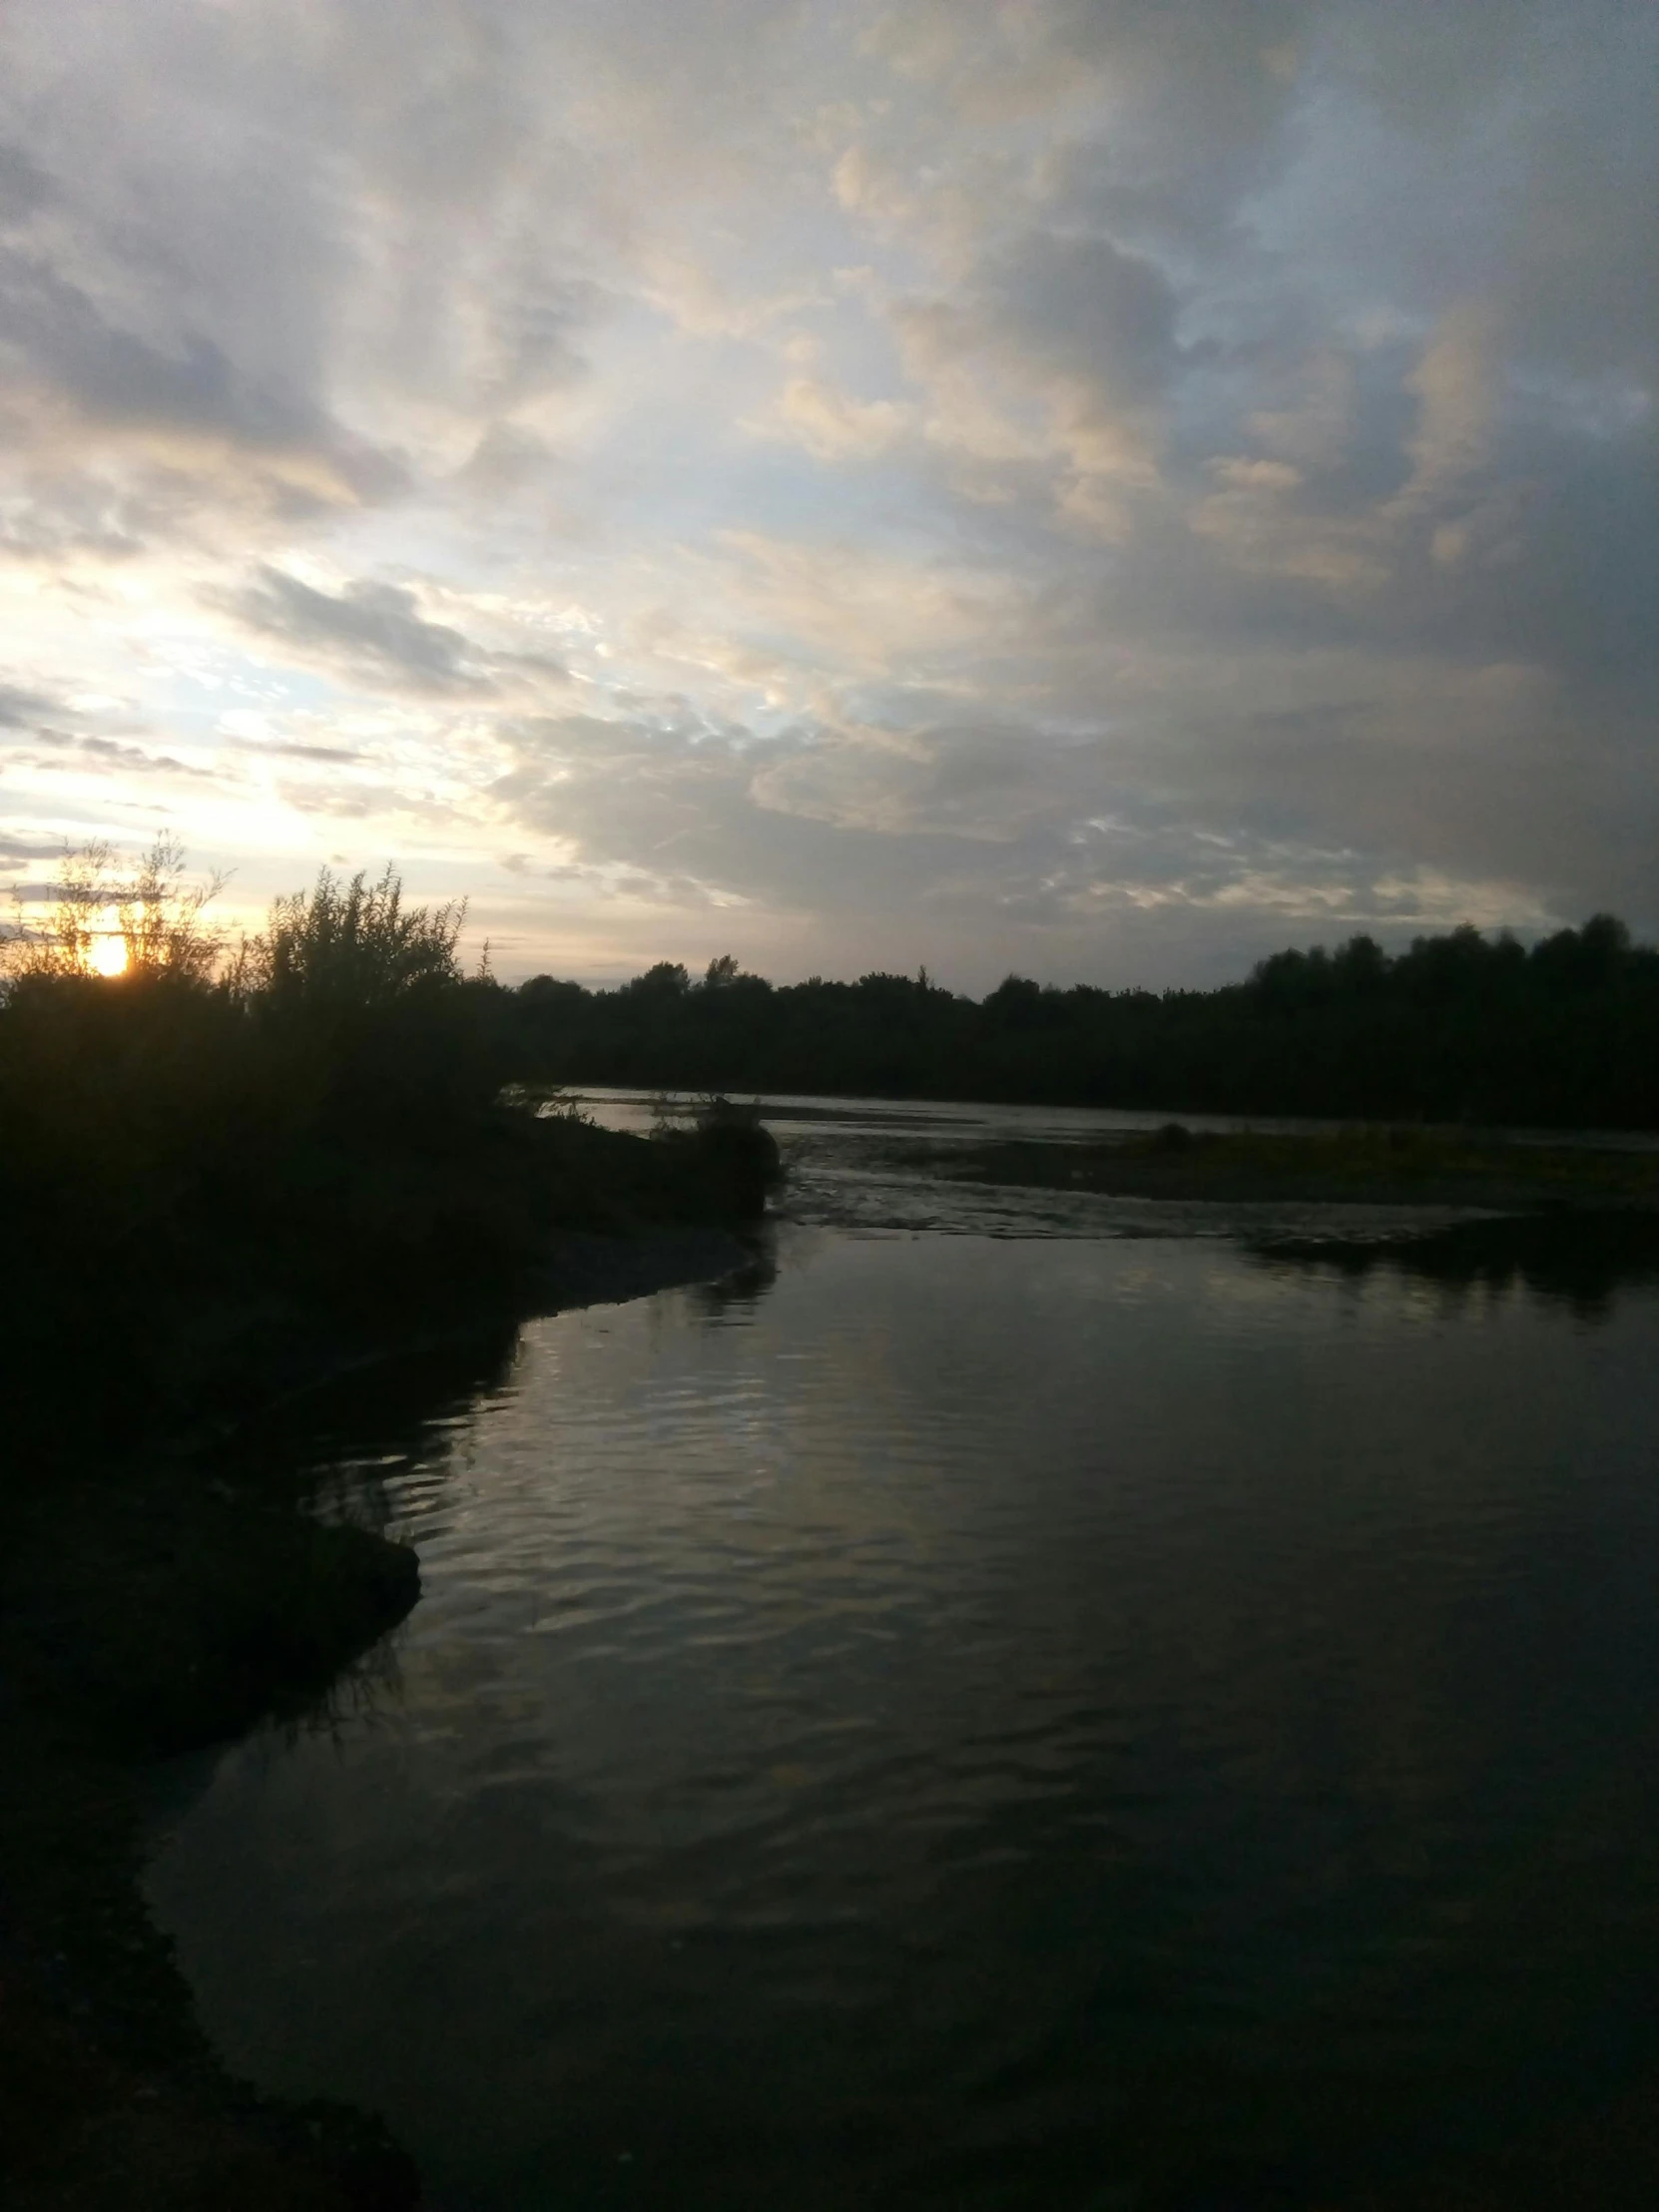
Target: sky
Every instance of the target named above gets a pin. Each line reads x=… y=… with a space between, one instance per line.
x=1095 y=488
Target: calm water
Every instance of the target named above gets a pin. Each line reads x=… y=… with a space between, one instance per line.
x=979 y=1719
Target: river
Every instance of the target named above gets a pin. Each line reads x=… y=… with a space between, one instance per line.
x=1013 y=1700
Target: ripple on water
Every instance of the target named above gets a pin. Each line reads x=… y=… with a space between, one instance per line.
x=976 y=1723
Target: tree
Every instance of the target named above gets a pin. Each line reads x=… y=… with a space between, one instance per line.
x=667 y=980
x=353 y=945
x=160 y=915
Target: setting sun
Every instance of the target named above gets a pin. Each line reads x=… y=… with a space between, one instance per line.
x=107 y=954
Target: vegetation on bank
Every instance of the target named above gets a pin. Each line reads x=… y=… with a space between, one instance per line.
x=1355 y=1164
x=222 y=1156
x=1461 y=1028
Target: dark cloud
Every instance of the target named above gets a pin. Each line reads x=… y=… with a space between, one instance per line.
x=23 y=187
x=111 y=756
x=114 y=375
x=1202 y=95
x=21 y=709
x=374 y=633
x=369 y=628
x=294 y=750
x=19 y=850
x=1089 y=309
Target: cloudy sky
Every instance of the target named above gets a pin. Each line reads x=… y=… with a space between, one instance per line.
x=1096 y=487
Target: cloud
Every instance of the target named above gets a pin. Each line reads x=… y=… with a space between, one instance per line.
x=294 y=750
x=18 y=851
x=1083 y=310
x=1053 y=840
x=373 y=629
x=21 y=709
x=1055 y=484
x=115 y=376
x=380 y=802
x=110 y=757
x=375 y=634
x=834 y=427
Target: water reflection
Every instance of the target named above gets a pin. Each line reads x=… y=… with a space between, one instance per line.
x=982 y=1722
x=736 y=1293
x=1579 y=1259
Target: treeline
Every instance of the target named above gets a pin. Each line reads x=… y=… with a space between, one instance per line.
x=1459 y=1027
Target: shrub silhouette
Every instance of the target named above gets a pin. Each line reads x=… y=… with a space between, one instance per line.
x=730 y=1145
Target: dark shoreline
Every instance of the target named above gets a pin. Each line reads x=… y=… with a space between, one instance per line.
x=157 y=1603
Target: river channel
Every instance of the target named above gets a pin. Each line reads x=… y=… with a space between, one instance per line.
x=1012 y=1700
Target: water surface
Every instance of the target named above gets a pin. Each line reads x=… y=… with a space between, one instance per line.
x=980 y=1720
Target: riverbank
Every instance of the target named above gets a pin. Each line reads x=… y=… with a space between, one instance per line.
x=160 y=1600
x=1350 y=1166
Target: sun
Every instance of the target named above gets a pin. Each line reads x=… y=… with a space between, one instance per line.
x=108 y=954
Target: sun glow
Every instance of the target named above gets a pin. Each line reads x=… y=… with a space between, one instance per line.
x=107 y=954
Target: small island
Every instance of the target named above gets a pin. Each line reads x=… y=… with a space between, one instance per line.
x=1388 y=1165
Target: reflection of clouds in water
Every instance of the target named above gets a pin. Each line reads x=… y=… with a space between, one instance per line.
x=929 y=1668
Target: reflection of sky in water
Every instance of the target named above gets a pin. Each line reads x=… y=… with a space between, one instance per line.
x=939 y=1120
x=942 y=1121
x=977 y=1721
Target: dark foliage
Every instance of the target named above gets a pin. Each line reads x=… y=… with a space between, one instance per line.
x=203 y=1175
x=1460 y=1027
x=729 y=1148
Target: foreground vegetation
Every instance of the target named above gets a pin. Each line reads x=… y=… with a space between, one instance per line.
x=223 y=1161
x=1459 y=1028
